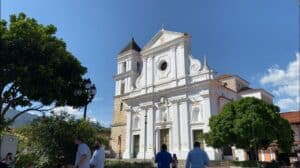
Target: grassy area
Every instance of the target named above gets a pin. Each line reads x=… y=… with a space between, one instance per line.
x=123 y=164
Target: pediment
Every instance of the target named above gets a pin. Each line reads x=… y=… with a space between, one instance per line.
x=162 y=37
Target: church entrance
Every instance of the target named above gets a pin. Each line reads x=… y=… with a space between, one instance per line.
x=198 y=136
x=164 y=137
x=136 y=145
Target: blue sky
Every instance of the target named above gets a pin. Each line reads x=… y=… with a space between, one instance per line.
x=256 y=39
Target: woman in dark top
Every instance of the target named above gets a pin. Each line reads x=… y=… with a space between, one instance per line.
x=174 y=161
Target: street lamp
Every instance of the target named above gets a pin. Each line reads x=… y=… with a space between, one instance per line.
x=90 y=90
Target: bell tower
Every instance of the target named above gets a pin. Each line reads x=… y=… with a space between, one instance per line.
x=129 y=65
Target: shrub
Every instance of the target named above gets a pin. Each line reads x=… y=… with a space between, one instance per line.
x=49 y=141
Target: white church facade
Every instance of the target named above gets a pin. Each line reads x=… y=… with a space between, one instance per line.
x=165 y=96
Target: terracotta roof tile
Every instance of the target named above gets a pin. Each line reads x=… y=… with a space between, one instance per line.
x=224 y=76
x=293 y=116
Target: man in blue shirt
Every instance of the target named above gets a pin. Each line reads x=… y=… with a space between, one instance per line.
x=163 y=158
x=196 y=158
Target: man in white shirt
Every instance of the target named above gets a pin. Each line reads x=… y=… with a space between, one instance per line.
x=98 y=157
x=83 y=154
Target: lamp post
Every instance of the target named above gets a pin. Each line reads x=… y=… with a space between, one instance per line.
x=90 y=90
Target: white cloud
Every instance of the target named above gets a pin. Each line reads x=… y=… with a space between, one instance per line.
x=286 y=103
x=77 y=113
x=284 y=84
x=70 y=110
x=93 y=120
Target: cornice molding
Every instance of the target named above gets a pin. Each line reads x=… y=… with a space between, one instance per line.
x=178 y=99
x=197 y=123
x=124 y=74
x=125 y=95
x=127 y=54
x=171 y=90
x=146 y=105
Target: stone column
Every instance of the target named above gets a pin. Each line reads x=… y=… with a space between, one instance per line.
x=181 y=61
x=150 y=133
x=149 y=62
x=175 y=128
x=128 y=151
x=145 y=72
x=157 y=134
x=140 y=154
x=184 y=129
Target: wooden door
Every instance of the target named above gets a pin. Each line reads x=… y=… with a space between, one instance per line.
x=164 y=137
x=198 y=136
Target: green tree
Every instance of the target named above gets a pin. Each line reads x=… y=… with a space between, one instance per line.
x=249 y=124
x=37 y=72
x=50 y=140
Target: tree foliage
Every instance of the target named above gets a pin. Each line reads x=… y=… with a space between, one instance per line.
x=50 y=140
x=36 y=69
x=249 y=124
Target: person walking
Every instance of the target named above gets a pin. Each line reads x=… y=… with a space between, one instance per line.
x=98 y=157
x=163 y=158
x=83 y=154
x=197 y=158
x=174 y=161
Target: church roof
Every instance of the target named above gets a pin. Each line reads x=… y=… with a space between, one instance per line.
x=132 y=45
x=224 y=76
x=246 y=89
x=170 y=35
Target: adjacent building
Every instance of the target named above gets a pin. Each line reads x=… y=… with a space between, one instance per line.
x=163 y=95
x=294 y=119
x=270 y=154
